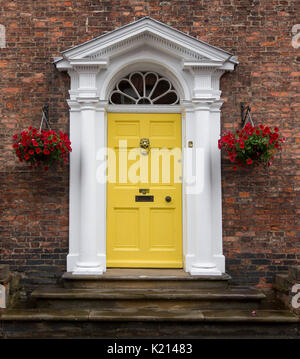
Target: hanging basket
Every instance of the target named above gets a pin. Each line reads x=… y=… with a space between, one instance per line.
x=41 y=148
x=252 y=146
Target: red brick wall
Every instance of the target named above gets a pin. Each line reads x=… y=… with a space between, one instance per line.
x=260 y=209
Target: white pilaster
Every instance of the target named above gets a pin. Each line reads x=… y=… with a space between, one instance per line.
x=87 y=259
x=204 y=255
x=216 y=186
x=83 y=136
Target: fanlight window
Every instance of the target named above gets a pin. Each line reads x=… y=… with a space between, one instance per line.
x=145 y=88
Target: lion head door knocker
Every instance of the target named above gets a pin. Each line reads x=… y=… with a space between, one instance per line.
x=145 y=145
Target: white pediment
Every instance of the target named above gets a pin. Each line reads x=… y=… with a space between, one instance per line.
x=152 y=33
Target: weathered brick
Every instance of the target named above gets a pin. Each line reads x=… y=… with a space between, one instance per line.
x=260 y=227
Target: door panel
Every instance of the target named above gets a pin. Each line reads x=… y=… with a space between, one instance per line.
x=144 y=234
x=126 y=228
x=162 y=237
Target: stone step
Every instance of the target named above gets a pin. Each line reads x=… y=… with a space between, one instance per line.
x=148 y=323
x=144 y=278
x=56 y=297
x=156 y=314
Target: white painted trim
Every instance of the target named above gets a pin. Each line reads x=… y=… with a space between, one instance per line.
x=144 y=109
x=194 y=68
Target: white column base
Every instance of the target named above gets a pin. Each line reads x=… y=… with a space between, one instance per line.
x=76 y=267
x=205 y=269
x=88 y=269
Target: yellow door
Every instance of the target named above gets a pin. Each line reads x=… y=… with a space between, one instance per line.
x=144 y=224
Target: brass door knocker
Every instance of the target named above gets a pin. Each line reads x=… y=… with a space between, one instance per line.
x=145 y=145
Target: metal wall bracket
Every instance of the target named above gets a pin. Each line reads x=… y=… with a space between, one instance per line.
x=45 y=117
x=245 y=115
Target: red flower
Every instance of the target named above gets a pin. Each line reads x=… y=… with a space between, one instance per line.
x=242 y=145
x=249 y=161
x=34 y=141
x=276 y=129
x=234 y=168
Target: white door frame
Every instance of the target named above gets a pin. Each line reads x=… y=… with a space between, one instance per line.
x=194 y=68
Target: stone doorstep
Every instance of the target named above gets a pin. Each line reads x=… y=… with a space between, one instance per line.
x=262 y=316
x=238 y=293
x=123 y=274
x=144 y=278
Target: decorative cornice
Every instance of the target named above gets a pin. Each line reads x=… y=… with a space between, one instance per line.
x=151 y=32
x=89 y=62
x=79 y=104
x=87 y=68
x=194 y=66
x=211 y=105
x=216 y=106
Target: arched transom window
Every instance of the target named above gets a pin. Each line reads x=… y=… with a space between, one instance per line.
x=145 y=88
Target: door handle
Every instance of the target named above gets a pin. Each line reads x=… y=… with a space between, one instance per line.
x=168 y=199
